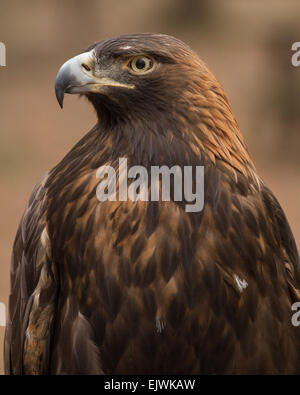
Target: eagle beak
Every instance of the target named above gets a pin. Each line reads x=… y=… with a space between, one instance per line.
x=77 y=75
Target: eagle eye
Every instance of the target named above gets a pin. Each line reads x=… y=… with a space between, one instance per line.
x=140 y=64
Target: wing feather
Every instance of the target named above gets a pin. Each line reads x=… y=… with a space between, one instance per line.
x=33 y=292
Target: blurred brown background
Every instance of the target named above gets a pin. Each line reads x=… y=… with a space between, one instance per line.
x=247 y=45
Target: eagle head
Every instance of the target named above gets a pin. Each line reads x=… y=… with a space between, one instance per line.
x=132 y=75
x=159 y=88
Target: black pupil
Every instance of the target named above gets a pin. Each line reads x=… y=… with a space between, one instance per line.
x=140 y=64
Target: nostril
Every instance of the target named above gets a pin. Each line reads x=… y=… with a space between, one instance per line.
x=85 y=66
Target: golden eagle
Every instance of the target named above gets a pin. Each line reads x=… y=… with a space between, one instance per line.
x=145 y=287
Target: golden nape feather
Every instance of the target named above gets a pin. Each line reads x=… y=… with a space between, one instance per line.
x=124 y=286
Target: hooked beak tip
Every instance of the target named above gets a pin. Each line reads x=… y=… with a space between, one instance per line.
x=71 y=74
x=60 y=93
x=61 y=103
